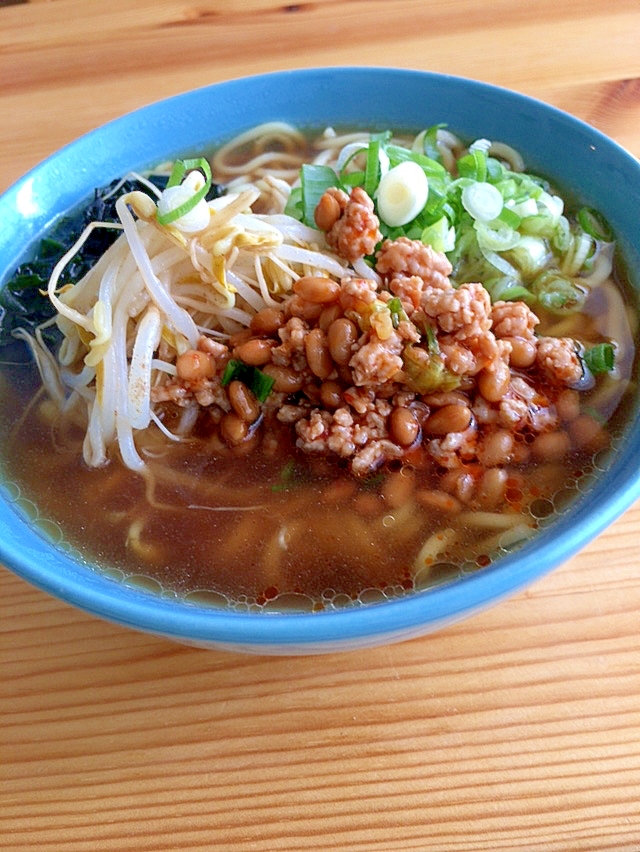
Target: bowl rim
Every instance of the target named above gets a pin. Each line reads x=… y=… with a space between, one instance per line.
x=25 y=552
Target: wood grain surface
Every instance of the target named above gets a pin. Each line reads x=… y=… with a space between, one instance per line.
x=518 y=729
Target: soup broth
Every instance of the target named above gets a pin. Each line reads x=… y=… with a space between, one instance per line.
x=273 y=522
x=350 y=480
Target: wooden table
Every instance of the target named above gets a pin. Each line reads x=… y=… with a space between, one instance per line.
x=518 y=729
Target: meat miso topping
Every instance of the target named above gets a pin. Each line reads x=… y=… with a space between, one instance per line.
x=408 y=367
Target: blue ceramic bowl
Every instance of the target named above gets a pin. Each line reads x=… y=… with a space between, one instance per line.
x=579 y=158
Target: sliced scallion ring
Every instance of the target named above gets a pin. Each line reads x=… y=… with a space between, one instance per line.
x=593 y=223
x=482 y=201
x=180 y=169
x=402 y=193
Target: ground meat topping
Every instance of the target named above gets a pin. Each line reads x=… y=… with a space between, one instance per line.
x=459 y=359
x=343 y=367
x=558 y=358
x=513 y=319
x=464 y=312
x=375 y=363
x=409 y=290
x=360 y=399
x=407 y=331
x=340 y=438
x=373 y=455
x=356 y=232
x=357 y=294
x=405 y=257
x=292 y=335
x=454 y=448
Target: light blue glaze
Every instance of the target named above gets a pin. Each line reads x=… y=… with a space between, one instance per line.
x=580 y=159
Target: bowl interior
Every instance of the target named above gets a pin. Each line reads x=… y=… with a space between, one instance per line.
x=580 y=160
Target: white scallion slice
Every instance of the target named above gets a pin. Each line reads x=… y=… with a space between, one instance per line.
x=531 y=255
x=402 y=193
x=523 y=208
x=553 y=203
x=185 y=196
x=482 y=201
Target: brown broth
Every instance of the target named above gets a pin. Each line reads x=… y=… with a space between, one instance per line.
x=273 y=522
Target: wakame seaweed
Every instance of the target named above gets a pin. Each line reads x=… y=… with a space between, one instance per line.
x=23 y=299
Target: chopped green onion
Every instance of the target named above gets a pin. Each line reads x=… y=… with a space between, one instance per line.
x=577 y=253
x=441 y=236
x=553 y=203
x=348 y=155
x=530 y=255
x=482 y=201
x=425 y=371
x=509 y=217
x=523 y=207
x=495 y=170
x=540 y=225
x=508 y=289
x=432 y=340
x=180 y=169
x=261 y=384
x=232 y=371
x=501 y=238
x=594 y=224
x=372 y=168
x=351 y=179
x=397 y=311
x=258 y=382
x=600 y=358
x=430 y=142
x=473 y=165
x=512 y=192
x=402 y=194
x=558 y=293
x=293 y=206
x=288 y=476
x=315 y=180
x=561 y=239
x=432 y=168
